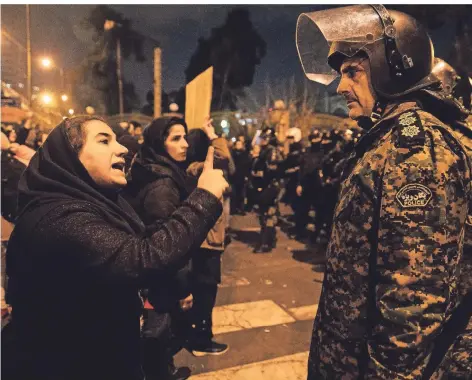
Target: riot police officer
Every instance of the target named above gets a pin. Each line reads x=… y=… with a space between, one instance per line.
x=290 y=168
x=309 y=187
x=264 y=179
x=393 y=305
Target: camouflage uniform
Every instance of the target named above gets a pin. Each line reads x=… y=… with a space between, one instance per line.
x=457 y=361
x=394 y=258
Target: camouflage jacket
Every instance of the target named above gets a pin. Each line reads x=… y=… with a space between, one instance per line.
x=393 y=261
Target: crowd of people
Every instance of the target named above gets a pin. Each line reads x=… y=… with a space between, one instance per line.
x=162 y=164
x=115 y=234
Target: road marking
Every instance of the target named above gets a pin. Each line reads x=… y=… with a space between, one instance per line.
x=250 y=229
x=293 y=367
x=228 y=281
x=248 y=315
x=304 y=313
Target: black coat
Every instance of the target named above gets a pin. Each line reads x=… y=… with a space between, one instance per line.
x=242 y=163
x=157 y=189
x=76 y=260
x=11 y=173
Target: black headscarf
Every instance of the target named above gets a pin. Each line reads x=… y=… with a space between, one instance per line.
x=153 y=162
x=55 y=176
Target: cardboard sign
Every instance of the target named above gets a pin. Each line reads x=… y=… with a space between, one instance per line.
x=198 y=95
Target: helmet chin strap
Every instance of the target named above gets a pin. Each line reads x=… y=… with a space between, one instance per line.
x=367 y=122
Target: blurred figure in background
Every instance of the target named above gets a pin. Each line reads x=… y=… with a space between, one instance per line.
x=206 y=265
x=265 y=177
x=290 y=171
x=309 y=189
x=242 y=165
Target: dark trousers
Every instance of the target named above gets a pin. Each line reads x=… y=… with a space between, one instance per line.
x=206 y=275
x=161 y=338
x=204 y=298
x=237 y=197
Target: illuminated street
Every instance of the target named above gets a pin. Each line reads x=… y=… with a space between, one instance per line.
x=265 y=309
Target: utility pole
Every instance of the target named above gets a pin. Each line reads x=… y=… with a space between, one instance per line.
x=108 y=25
x=119 y=75
x=157 y=82
x=29 y=85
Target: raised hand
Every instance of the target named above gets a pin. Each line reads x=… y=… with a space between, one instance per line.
x=212 y=180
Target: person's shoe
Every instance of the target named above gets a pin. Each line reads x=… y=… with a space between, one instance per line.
x=211 y=348
x=265 y=248
x=180 y=373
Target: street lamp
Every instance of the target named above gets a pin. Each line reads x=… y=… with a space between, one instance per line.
x=46 y=99
x=46 y=62
x=107 y=26
x=64 y=97
x=71 y=111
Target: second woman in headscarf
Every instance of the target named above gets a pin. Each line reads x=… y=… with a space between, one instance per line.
x=158 y=186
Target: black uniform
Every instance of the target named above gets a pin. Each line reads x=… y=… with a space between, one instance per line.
x=290 y=172
x=309 y=179
x=264 y=181
x=242 y=163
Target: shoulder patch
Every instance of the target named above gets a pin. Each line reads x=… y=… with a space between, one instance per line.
x=410 y=129
x=414 y=195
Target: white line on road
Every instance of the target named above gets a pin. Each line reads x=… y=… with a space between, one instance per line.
x=293 y=367
x=242 y=316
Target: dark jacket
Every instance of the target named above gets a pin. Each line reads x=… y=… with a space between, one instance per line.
x=76 y=259
x=11 y=173
x=309 y=175
x=157 y=188
x=242 y=163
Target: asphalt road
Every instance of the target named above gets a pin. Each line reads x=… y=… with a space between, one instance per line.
x=265 y=308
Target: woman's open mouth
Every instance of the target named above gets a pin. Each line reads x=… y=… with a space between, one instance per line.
x=119 y=166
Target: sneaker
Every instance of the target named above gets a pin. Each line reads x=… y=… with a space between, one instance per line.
x=212 y=348
x=265 y=248
x=180 y=373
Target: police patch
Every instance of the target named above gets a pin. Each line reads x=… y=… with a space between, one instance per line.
x=414 y=195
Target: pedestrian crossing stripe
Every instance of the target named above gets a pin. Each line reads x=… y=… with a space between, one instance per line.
x=243 y=316
x=304 y=313
x=235 y=317
x=293 y=367
x=228 y=281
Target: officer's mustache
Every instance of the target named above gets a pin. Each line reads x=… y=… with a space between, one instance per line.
x=349 y=97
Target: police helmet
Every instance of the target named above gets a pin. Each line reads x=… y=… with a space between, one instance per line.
x=397 y=45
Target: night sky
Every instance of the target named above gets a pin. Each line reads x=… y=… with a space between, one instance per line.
x=56 y=31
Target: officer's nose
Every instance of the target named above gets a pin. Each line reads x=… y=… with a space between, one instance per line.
x=343 y=87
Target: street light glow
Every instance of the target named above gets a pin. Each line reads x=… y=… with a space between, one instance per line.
x=46 y=99
x=224 y=124
x=46 y=62
x=64 y=98
x=71 y=111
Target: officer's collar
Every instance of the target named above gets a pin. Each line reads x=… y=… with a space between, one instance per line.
x=382 y=126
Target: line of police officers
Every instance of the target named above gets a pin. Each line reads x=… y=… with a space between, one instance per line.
x=307 y=179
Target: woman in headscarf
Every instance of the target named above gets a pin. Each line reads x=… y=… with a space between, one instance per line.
x=158 y=186
x=78 y=256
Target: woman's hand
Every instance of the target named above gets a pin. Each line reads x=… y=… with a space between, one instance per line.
x=212 y=180
x=209 y=129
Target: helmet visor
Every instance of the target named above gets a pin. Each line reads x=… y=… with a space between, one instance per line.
x=343 y=30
